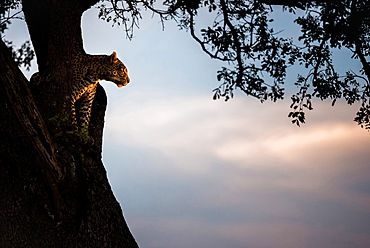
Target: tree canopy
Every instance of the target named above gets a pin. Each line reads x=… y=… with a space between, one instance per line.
x=256 y=57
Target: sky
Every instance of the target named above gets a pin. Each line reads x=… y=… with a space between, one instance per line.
x=192 y=172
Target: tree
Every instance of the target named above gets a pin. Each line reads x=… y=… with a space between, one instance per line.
x=54 y=188
x=54 y=182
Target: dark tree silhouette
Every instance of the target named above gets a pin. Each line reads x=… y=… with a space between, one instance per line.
x=257 y=57
x=54 y=188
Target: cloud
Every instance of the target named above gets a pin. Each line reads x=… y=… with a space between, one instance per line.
x=188 y=232
x=239 y=171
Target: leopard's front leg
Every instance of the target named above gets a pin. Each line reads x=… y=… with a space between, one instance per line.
x=73 y=116
x=84 y=110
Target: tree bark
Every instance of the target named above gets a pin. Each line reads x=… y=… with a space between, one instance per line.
x=54 y=188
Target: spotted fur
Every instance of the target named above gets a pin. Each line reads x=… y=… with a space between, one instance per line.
x=88 y=70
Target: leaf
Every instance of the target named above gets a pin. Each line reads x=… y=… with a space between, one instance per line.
x=216 y=96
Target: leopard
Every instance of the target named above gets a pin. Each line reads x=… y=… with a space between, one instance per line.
x=88 y=71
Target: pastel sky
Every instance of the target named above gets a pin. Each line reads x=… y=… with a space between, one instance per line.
x=192 y=172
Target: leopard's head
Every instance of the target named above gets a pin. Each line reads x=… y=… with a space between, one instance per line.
x=118 y=73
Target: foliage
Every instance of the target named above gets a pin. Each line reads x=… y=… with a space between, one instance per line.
x=24 y=55
x=324 y=27
x=257 y=58
x=9 y=10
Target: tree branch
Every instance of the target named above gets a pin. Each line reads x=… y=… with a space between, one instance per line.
x=236 y=42
x=202 y=44
x=365 y=64
x=293 y=3
x=356 y=37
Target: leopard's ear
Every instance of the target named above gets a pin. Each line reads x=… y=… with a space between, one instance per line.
x=113 y=57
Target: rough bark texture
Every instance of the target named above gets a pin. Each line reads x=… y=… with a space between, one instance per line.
x=55 y=31
x=54 y=189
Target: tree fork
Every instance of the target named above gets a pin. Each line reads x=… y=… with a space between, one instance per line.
x=55 y=31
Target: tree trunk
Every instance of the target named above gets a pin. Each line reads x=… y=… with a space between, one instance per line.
x=54 y=188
